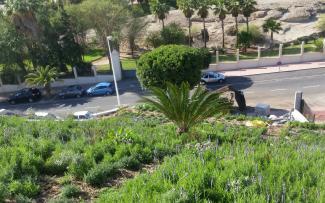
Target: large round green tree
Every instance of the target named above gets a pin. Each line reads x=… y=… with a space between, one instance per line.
x=171 y=63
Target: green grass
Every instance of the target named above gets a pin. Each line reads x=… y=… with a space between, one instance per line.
x=129 y=63
x=92 y=151
x=217 y=161
x=93 y=55
x=238 y=165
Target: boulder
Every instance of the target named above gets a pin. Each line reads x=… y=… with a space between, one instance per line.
x=297 y=15
x=259 y=14
x=275 y=14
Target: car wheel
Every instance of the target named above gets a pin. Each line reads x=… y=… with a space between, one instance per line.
x=78 y=95
x=30 y=100
x=12 y=102
x=221 y=81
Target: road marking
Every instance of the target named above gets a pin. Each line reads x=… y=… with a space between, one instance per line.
x=92 y=107
x=249 y=92
x=276 y=90
x=311 y=86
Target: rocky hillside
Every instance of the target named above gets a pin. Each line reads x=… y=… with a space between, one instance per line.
x=298 y=17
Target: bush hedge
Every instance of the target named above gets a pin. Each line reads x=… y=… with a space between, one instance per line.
x=172 y=63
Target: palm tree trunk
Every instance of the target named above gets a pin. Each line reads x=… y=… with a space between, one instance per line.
x=204 y=34
x=247 y=24
x=236 y=20
x=163 y=23
x=271 y=40
x=47 y=89
x=223 y=33
x=189 y=32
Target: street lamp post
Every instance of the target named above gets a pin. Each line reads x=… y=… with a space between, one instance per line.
x=109 y=38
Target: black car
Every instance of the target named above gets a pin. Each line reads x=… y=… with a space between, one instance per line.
x=25 y=95
x=71 y=92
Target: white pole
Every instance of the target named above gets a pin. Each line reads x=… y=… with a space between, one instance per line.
x=116 y=88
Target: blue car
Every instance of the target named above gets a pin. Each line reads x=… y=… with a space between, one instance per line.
x=101 y=89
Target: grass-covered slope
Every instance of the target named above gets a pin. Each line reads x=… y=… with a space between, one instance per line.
x=238 y=166
x=92 y=152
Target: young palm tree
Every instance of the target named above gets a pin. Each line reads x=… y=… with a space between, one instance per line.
x=43 y=77
x=186 y=109
x=248 y=7
x=221 y=10
x=187 y=6
x=273 y=27
x=233 y=7
x=203 y=12
x=160 y=9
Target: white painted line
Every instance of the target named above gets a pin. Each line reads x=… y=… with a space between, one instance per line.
x=92 y=107
x=311 y=86
x=249 y=92
x=276 y=90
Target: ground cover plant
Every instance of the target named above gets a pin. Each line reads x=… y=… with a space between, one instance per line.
x=92 y=152
x=237 y=165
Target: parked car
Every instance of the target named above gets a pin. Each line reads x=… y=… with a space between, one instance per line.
x=71 y=92
x=82 y=115
x=25 y=95
x=103 y=88
x=211 y=77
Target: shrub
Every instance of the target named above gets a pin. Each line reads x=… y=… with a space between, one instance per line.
x=256 y=32
x=319 y=44
x=70 y=191
x=173 y=34
x=172 y=63
x=129 y=162
x=321 y=23
x=154 y=39
x=244 y=39
x=98 y=175
x=24 y=187
x=206 y=56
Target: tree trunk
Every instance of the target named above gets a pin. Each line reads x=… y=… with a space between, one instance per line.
x=247 y=24
x=204 y=34
x=189 y=33
x=163 y=23
x=47 y=89
x=271 y=40
x=223 y=33
x=236 y=20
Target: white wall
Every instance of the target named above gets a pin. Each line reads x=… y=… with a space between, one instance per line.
x=268 y=61
x=63 y=82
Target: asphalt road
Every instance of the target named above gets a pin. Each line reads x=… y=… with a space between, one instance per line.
x=276 y=89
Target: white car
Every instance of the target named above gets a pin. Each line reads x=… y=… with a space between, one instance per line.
x=210 y=77
x=82 y=115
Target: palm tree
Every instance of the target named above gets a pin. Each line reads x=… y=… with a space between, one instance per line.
x=160 y=10
x=233 y=7
x=185 y=109
x=221 y=10
x=272 y=26
x=43 y=77
x=248 y=7
x=187 y=6
x=203 y=12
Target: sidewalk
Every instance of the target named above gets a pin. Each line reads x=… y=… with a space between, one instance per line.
x=275 y=69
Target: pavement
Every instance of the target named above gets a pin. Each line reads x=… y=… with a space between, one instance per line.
x=275 y=69
x=274 y=88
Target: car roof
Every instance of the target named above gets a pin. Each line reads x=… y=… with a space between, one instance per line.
x=103 y=84
x=81 y=113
